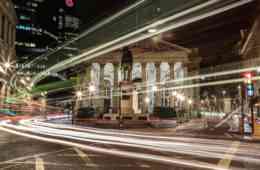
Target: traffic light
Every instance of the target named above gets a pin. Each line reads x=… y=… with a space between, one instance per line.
x=250 y=90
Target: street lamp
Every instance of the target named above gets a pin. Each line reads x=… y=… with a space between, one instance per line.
x=190 y=102
x=146 y=105
x=7 y=65
x=224 y=92
x=91 y=89
x=181 y=97
x=147 y=100
x=154 y=88
x=79 y=94
x=174 y=93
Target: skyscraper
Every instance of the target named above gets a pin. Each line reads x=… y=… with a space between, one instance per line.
x=43 y=24
x=30 y=35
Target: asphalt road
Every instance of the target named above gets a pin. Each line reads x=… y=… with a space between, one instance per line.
x=119 y=150
x=20 y=153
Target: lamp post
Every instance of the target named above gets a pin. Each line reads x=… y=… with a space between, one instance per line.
x=92 y=89
x=79 y=95
x=190 y=102
x=147 y=102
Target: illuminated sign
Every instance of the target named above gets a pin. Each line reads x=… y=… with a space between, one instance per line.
x=70 y=3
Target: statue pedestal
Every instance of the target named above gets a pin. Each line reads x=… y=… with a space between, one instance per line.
x=127 y=98
x=227 y=105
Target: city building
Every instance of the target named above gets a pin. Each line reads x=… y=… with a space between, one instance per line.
x=31 y=40
x=7 y=43
x=42 y=25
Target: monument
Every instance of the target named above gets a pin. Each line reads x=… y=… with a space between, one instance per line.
x=126 y=85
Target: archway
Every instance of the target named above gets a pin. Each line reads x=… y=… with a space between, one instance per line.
x=151 y=80
x=164 y=77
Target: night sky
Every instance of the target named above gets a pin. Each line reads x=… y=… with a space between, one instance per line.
x=89 y=11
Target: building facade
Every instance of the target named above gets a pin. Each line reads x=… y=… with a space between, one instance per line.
x=7 y=43
x=30 y=36
x=154 y=76
x=42 y=25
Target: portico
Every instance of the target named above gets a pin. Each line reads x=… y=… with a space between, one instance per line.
x=150 y=70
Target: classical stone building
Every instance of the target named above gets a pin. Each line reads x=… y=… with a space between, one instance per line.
x=7 y=43
x=154 y=75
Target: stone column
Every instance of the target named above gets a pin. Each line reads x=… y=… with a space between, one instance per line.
x=100 y=102
x=115 y=100
x=102 y=78
x=187 y=92
x=171 y=70
x=172 y=77
x=144 y=81
x=158 y=80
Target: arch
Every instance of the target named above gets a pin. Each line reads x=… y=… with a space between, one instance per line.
x=109 y=85
x=137 y=71
x=164 y=77
x=164 y=72
x=95 y=76
x=151 y=79
x=178 y=70
x=109 y=73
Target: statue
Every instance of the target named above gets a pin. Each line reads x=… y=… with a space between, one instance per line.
x=127 y=64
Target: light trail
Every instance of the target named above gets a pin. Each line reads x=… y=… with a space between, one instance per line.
x=200 y=150
x=196 y=144
x=180 y=87
x=182 y=80
x=77 y=137
x=94 y=53
x=126 y=154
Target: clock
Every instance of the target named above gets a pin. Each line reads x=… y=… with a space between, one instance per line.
x=70 y=3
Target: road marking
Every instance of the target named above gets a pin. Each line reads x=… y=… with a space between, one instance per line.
x=81 y=153
x=126 y=154
x=226 y=161
x=75 y=155
x=33 y=156
x=85 y=157
x=145 y=166
x=39 y=164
